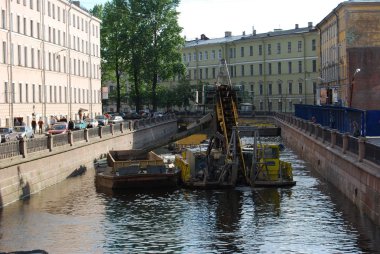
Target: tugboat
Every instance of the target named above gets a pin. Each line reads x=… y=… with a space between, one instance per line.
x=134 y=169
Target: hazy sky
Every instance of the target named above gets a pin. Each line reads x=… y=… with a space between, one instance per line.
x=214 y=17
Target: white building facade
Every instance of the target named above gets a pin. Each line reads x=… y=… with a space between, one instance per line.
x=49 y=60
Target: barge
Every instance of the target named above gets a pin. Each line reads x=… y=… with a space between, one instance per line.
x=134 y=169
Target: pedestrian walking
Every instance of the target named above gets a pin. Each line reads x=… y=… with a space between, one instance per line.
x=40 y=125
x=34 y=125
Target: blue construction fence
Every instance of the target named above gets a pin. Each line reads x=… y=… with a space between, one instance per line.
x=341 y=118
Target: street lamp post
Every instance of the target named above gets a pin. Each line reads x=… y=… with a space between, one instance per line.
x=352 y=85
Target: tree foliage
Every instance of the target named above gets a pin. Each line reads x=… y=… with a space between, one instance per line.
x=140 y=39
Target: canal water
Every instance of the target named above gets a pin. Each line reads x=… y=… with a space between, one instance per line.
x=73 y=217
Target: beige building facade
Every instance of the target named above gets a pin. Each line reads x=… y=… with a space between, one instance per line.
x=49 y=60
x=276 y=69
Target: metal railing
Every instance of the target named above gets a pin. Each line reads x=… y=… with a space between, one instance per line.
x=345 y=141
x=49 y=142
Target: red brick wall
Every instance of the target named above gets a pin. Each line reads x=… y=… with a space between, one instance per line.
x=366 y=83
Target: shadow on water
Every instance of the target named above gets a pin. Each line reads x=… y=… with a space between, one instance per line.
x=78 y=171
x=24 y=185
x=368 y=233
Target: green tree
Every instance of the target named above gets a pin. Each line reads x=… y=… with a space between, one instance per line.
x=113 y=33
x=163 y=45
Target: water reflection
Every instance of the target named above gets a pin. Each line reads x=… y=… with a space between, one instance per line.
x=73 y=217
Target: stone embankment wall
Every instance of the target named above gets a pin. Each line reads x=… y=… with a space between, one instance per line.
x=350 y=164
x=61 y=156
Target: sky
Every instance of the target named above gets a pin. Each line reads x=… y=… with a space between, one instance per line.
x=214 y=17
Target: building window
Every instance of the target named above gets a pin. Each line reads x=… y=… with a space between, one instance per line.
x=261 y=106
x=260 y=50
x=39 y=93
x=25 y=56
x=290 y=91
x=278 y=48
x=213 y=55
x=299 y=66
x=19 y=54
x=269 y=69
x=31 y=28
x=18 y=24
x=314 y=65
x=269 y=49
x=251 y=67
x=260 y=69
x=219 y=54
x=6 y=93
x=313 y=45
x=242 y=71
x=242 y=51
x=251 y=50
x=51 y=94
x=269 y=89
x=32 y=57
x=20 y=92
x=300 y=88
x=213 y=73
x=4 y=52
x=290 y=67
x=13 y=93
x=200 y=56
x=299 y=46
x=279 y=67
x=279 y=88
x=3 y=19
x=261 y=89
x=289 y=47
x=26 y=92
x=33 y=93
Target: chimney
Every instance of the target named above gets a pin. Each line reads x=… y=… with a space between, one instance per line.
x=243 y=32
x=296 y=26
x=310 y=24
x=253 y=31
x=227 y=34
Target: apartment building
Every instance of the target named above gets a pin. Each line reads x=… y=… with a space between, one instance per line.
x=350 y=54
x=49 y=60
x=276 y=69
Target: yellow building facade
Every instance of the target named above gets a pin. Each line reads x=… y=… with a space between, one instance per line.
x=276 y=69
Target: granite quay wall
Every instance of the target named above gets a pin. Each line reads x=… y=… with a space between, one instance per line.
x=29 y=166
x=351 y=164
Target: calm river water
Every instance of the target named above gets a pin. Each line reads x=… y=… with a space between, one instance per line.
x=72 y=217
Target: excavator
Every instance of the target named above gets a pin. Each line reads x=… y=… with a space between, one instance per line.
x=223 y=162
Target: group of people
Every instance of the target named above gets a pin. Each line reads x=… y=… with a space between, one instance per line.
x=40 y=124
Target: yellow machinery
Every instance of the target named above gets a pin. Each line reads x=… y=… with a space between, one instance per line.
x=223 y=163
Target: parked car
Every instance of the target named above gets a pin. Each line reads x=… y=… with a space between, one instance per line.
x=23 y=132
x=5 y=134
x=91 y=123
x=58 y=128
x=79 y=125
x=116 y=119
x=132 y=115
x=157 y=114
x=102 y=120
